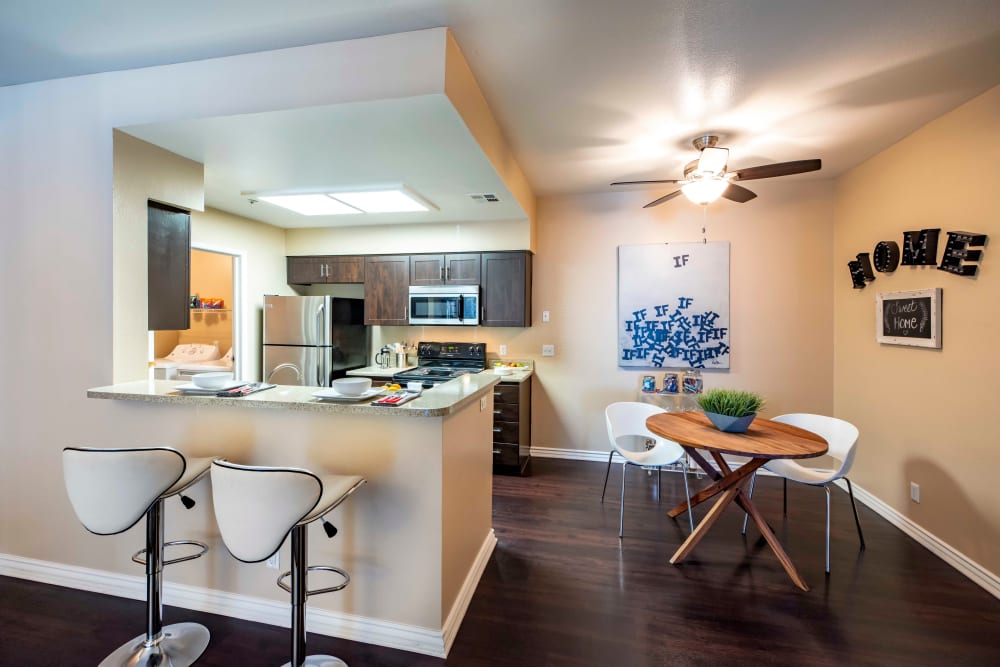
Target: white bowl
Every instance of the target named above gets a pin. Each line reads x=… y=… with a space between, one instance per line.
x=503 y=370
x=352 y=386
x=212 y=380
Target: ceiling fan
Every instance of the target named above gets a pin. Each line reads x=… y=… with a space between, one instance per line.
x=706 y=179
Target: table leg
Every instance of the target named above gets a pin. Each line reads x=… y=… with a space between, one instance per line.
x=776 y=547
x=721 y=484
x=703 y=527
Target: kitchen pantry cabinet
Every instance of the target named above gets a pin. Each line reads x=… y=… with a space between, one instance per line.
x=387 y=289
x=318 y=269
x=511 y=427
x=506 y=289
x=454 y=269
x=168 y=265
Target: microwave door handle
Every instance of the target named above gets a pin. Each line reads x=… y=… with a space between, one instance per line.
x=461 y=307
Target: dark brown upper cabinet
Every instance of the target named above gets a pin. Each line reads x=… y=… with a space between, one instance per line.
x=387 y=289
x=326 y=269
x=506 y=289
x=453 y=269
x=168 y=267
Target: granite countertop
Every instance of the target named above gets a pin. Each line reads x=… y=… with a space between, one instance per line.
x=443 y=399
x=517 y=376
x=379 y=372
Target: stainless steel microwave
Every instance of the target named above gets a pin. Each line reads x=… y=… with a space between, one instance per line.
x=444 y=304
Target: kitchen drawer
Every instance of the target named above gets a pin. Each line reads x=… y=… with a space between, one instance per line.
x=505 y=412
x=506 y=455
x=506 y=393
x=506 y=432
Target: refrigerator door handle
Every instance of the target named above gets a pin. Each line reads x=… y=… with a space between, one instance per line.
x=320 y=310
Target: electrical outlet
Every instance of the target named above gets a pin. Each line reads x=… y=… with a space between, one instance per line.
x=914 y=492
x=548 y=350
x=482 y=404
x=274 y=562
x=545 y=316
x=503 y=350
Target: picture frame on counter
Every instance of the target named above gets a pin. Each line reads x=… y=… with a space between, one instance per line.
x=911 y=318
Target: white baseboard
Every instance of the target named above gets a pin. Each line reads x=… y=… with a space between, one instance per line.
x=949 y=554
x=259 y=610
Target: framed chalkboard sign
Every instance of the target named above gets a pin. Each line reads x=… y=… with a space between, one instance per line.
x=909 y=318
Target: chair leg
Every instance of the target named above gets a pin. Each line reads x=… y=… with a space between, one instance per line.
x=784 y=497
x=621 y=511
x=826 y=487
x=746 y=517
x=857 y=521
x=298 y=585
x=659 y=470
x=606 y=473
x=687 y=494
x=178 y=644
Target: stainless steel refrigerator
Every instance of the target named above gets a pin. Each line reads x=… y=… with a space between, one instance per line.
x=311 y=340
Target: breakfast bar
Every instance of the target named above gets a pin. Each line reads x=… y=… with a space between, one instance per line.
x=415 y=539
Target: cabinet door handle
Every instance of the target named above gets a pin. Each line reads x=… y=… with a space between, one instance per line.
x=497 y=429
x=496 y=394
x=497 y=451
x=447 y=273
x=496 y=412
x=442 y=274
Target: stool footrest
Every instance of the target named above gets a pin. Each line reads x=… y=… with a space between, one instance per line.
x=324 y=568
x=140 y=558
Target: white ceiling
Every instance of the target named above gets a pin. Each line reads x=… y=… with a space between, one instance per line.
x=589 y=91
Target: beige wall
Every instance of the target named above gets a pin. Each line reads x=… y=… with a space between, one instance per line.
x=142 y=172
x=927 y=415
x=405 y=239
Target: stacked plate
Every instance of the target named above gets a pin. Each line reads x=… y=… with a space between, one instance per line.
x=335 y=396
x=191 y=389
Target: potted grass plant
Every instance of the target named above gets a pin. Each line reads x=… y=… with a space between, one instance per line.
x=731 y=410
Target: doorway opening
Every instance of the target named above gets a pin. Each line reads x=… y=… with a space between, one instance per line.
x=214 y=340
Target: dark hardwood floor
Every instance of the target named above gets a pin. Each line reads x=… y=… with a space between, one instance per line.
x=562 y=590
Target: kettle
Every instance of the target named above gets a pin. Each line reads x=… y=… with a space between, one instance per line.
x=384 y=357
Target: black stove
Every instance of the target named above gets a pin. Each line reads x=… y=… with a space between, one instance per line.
x=440 y=362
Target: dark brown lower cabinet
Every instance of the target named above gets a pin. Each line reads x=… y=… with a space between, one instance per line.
x=168 y=267
x=511 y=427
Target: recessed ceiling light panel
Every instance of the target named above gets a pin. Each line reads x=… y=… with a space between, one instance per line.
x=310 y=204
x=382 y=201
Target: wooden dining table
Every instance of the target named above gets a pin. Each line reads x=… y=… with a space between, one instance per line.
x=763 y=441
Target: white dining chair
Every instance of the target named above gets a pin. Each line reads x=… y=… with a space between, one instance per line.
x=842 y=438
x=638 y=445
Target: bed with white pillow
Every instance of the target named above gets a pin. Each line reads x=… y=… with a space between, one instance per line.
x=191 y=358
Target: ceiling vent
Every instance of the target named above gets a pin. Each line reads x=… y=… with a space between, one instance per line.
x=486 y=197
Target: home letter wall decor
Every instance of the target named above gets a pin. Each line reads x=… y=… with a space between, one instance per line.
x=886 y=256
x=920 y=248
x=955 y=251
x=673 y=305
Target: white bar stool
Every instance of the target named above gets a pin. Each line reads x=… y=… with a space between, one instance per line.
x=111 y=490
x=257 y=507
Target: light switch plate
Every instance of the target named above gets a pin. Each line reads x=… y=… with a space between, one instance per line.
x=503 y=350
x=548 y=350
x=545 y=316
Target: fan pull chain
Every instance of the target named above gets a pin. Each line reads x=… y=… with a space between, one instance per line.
x=704 y=217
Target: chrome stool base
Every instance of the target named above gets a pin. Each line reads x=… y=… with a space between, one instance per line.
x=180 y=646
x=319 y=661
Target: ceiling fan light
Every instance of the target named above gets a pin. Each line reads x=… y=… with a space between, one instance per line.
x=705 y=191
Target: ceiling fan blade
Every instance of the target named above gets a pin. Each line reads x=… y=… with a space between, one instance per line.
x=776 y=169
x=669 y=180
x=657 y=202
x=713 y=160
x=738 y=193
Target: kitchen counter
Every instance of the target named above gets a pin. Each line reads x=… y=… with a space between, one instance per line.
x=517 y=376
x=379 y=372
x=443 y=399
x=415 y=539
